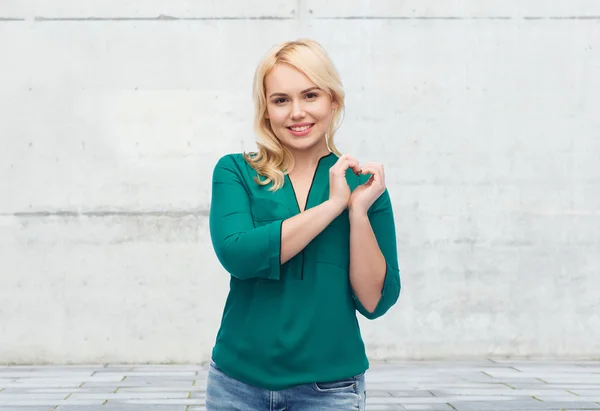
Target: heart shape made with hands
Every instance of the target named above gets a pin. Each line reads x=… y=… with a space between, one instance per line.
x=365 y=194
x=375 y=169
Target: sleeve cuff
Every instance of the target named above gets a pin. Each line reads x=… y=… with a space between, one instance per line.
x=275 y=250
x=389 y=294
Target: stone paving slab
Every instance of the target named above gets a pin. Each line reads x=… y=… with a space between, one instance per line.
x=492 y=385
x=156 y=382
x=50 y=403
x=23 y=408
x=525 y=405
x=121 y=407
x=131 y=396
x=188 y=388
x=60 y=390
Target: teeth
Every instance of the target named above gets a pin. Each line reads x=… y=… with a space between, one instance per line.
x=300 y=128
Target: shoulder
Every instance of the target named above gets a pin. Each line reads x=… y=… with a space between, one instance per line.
x=233 y=165
x=228 y=164
x=232 y=160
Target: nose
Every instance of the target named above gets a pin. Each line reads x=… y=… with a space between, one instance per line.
x=297 y=110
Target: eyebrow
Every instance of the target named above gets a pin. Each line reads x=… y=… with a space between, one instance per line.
x=302 y=92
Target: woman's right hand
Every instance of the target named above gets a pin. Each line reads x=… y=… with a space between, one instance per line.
x=339 y=190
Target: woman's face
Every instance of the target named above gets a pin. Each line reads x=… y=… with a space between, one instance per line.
x=300 y=113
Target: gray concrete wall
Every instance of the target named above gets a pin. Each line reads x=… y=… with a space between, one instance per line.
x=113 y=113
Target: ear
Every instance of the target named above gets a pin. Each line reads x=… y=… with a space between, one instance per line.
x=334 y=105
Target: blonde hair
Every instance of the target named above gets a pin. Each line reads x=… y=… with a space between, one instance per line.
x=273 y=160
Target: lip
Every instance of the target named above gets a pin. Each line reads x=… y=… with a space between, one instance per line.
x=301 y=133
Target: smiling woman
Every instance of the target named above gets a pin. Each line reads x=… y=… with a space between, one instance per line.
x=280 y=100
x=295 y=86
x=308 y=237
x=295 y=111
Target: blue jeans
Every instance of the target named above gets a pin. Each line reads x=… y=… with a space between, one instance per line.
x=224 y=393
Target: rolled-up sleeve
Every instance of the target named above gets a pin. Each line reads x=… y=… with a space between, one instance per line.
x=244 y=250
x=381 y=217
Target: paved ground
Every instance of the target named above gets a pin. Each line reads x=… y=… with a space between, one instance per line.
x=464 y=386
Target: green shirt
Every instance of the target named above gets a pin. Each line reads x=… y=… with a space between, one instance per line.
x=295 y=323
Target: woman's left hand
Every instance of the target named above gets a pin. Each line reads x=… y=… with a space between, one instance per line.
x=364 y=196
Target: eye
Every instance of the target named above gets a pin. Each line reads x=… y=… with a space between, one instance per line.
x=311 y=95
x=279 y=100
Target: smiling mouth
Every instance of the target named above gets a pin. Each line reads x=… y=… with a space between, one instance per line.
x=302 y=128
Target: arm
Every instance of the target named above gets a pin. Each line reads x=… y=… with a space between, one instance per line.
x=246 y=251
x=374 y=272
x=301 y=229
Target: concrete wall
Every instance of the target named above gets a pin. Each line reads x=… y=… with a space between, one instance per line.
x=113 y=113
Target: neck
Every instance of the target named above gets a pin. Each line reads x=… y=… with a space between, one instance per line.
x=307 y=160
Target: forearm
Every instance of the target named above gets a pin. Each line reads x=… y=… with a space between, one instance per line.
x=367 y=263
x=250 y=253
x=298 y=231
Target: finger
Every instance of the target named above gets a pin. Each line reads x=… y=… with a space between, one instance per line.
x=380 y=173
x=376 y=172
x=378 y=167
x=347 y=161
x=370 y=168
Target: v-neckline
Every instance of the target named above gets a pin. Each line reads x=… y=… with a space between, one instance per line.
x=301 y=210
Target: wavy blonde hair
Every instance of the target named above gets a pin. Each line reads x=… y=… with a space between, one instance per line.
x=273 y=160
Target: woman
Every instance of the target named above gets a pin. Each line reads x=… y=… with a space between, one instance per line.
x=308 y=237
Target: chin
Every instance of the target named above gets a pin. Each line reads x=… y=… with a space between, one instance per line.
x=302 y=144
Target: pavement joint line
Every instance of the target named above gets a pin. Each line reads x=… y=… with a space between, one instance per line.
x=123 y=379
x=536 y=398
x=167 y=18
x=116 y=390
x=545 y=382
x=453 y=407
x=431 y=392
x=508 y=385
x=571 y=392
x=190 y=394
x=105 y=401
x=487 y=374
x=67 y=397
x=514 y=368
x=81 y=385
x=159 y=18
x=108 y=213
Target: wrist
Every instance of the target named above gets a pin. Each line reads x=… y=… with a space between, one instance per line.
x=336 y=207
x=356 y=213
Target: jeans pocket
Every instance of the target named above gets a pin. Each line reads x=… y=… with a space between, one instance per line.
x=213 y=367
x=346 y=385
